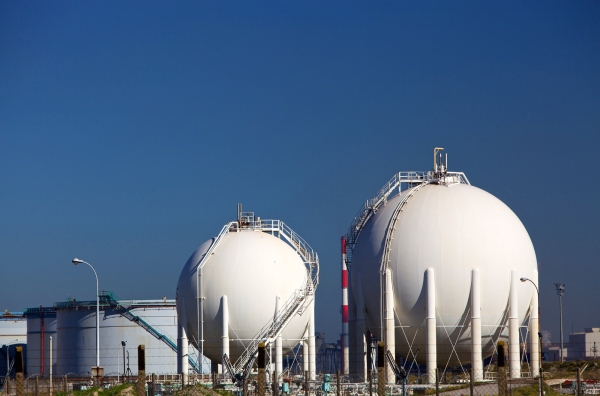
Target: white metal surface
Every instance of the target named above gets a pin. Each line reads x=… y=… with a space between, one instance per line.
x=431 y=326
x=513 y=327
x=182 y=353
x=40 y=327
x=390 y=329
x=533 y=336
x=476 y=357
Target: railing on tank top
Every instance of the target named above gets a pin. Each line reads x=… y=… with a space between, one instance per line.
x=297 y=302
x=372 y=205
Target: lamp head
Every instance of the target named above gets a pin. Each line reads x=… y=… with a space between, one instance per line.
x=76 y=261
x=524 y=279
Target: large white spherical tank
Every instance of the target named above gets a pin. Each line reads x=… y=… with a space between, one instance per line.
x=252 y=269
x=452 y=229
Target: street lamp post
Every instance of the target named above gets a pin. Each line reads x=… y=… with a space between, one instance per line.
x=541 y=384
x=78 y=261
x=560 y=290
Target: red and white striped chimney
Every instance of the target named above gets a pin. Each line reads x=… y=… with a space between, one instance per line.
x=345 y=344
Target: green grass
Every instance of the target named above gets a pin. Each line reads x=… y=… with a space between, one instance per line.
x=532 y=390
x=113 y=391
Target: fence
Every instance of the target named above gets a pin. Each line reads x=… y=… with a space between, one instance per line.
x=584 y=380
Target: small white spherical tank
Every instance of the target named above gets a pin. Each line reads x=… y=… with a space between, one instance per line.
x=253 y=269
x=453 y=229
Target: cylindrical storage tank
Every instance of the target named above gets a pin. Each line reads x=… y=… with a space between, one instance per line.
x=451 y=228
x=76 y=328
x=252 y=269
x=13 y=333
x=41 y=325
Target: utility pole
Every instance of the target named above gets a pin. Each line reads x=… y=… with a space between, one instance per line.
x=560 y=290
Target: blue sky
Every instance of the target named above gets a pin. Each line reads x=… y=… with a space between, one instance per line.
x=130 y=131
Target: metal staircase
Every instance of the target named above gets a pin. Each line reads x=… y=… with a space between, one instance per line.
x=389 y=234
x=232 y=226
x=298 y=301
x=109 y=298
x=399 y=372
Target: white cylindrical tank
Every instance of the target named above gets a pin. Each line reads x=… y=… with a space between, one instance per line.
x=452 y=229
x=253 y=269
x=13 y=333
x=41 y=325
x=76 y=337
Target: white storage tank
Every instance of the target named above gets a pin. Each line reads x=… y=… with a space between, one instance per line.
x=443 y=255
x=128 y=322
x=41 y=325
x=13 y=333
x=245 y=277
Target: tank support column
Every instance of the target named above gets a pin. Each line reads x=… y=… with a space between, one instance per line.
x=182 y=353
x=225 y=327
x=278 y=344
x=305 y=357
x=431 y=327
x=312 y=353
x=513 y=327
x=476 y=357
x=534 y=342
x=390 y=325
x=361 y=330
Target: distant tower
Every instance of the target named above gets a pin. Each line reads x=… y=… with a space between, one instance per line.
x=560 y=290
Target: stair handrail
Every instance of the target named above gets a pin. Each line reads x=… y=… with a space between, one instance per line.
x=225 y=230
x=273 y=328
x=372 y=205
x=399 y=372
x=385 y=257
x=125 y=312
x=297 y=302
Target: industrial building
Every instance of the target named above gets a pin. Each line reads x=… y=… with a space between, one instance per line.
x=580 y=346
